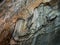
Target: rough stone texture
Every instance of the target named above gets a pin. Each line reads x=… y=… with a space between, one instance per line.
x=48 y=18
x=39 y=25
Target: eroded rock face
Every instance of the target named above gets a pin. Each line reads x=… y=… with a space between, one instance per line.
x=45 y=27
x=40 y=26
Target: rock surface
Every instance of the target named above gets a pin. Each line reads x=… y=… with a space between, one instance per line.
x=29 y=22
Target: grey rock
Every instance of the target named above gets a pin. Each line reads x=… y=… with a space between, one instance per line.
x=49 y=34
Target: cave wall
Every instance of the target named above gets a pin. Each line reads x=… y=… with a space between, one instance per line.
x=42 y=27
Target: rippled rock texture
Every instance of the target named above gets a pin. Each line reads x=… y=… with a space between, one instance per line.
x=29 y=22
